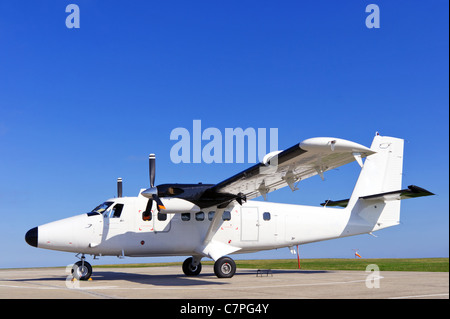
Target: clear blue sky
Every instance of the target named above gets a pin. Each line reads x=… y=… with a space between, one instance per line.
x=81 y=107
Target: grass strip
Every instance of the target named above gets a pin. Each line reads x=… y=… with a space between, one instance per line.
x=384 y=264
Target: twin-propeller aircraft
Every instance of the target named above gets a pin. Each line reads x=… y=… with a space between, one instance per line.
x=213 y=221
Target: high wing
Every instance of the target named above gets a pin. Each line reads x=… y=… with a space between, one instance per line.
x=278 y=169
x=310 y=157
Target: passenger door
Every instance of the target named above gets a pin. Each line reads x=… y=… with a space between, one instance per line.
x=249 y=224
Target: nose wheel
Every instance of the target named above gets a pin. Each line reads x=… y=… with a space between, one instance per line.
x=192 y=267
x=82 y=270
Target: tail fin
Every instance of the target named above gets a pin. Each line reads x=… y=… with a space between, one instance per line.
x=375 y=201
x=381 y=173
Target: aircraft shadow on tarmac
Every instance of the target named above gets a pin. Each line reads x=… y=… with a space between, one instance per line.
x=158 y=280
x=205 y=278
x=183 y=280
x=155 y=280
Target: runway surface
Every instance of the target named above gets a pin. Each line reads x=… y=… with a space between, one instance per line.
x=170 y=282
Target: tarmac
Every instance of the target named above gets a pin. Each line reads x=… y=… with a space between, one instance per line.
x=170 y=282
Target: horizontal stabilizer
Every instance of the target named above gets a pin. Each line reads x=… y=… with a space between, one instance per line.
x=410 y=192
x=333 y=203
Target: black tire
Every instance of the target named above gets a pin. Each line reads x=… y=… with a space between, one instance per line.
x=81 y=272
x=189 y=270
x=225 y=267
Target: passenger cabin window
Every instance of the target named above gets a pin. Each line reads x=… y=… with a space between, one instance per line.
x=117 y=211
x=226 y=215
x=211 y=215
x=186 y=217
x=147 y=215
x=266 y=216
x=200 y=216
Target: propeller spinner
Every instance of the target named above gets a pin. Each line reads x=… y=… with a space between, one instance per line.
x=152 y=192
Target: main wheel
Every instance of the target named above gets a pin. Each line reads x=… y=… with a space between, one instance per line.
x=190 y=270
x=225 y=267
x=82 y=271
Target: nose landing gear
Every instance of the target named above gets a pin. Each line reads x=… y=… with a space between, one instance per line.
x=192 y=266
x=82 y=270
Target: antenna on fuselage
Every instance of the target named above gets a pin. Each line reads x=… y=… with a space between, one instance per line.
x=119 y=187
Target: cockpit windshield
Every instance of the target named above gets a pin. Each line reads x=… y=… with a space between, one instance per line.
x=100 y=208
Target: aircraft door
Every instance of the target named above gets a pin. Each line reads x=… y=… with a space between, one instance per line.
x=115 y=218
x=97 y=230
x=91 y=232
x=249 y=224
x=291 y=225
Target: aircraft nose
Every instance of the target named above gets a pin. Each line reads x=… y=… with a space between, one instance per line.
x=31 y=237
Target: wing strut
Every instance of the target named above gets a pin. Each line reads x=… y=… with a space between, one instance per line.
x=211 y=248
x=263 y=190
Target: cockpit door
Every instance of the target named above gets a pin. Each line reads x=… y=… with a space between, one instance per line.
x=113 y=216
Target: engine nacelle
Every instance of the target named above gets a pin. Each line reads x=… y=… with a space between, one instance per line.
x=178 y=206
x=332 y=144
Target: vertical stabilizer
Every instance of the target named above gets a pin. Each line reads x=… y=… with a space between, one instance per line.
x=381 y=173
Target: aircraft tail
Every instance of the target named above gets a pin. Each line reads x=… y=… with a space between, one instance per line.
x=375 y=201
x=382 y=171
x=381 y=174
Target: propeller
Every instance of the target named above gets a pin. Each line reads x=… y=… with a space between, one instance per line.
x=152 y=192
x=240 y=198
x=147 y=213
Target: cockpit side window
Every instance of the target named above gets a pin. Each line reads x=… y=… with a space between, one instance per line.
x=116 y=211
x=100 y=209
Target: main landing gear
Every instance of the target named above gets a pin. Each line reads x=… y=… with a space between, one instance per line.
x=82 y=270
x=224 y=267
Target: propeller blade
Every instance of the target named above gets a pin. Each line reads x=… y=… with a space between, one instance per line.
x=151 y=169
x=119 y=187
x=147 y=213
x=159 y=203
x=152 y=192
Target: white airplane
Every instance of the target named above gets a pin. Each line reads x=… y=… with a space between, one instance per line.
x=214 y=221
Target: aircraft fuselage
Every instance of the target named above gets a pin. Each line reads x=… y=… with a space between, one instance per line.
x=251 y=227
